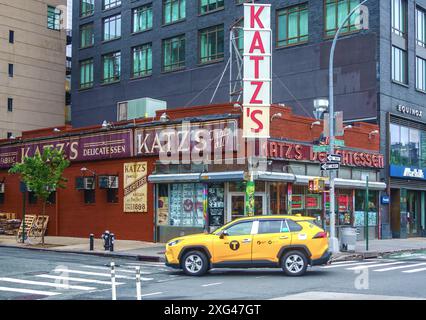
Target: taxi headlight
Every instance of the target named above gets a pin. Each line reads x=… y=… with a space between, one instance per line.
x=173 y=243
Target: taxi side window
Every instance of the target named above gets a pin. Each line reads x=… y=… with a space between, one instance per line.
x=272 y=226
x=294 y=226
x=240 y=229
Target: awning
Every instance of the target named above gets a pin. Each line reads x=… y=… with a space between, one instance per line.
x=275 y=176
x=359 y=184
x=222 y=176
x=177 y=177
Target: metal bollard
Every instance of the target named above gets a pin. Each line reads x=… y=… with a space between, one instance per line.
x=113 y=284
x=106 y=238
x=111 y=242
x=138 y=284
x=91 y=242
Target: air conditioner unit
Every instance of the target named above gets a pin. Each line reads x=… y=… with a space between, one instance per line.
x=89 y=183
x=1 y=187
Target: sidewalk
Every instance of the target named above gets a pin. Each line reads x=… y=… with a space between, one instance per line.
x=138 y=250
x=148 y=251
x=377 y=248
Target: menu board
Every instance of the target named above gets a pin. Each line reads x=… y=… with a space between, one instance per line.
x=297 y=202
x=216 y=205
x=313 y=201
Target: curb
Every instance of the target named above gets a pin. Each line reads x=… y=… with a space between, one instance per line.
x=371 y=255
x=99 y=254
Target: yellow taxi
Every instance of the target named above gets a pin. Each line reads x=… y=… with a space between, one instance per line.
x=289 y=242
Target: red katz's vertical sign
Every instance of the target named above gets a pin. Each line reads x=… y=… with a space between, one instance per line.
x=257 y=69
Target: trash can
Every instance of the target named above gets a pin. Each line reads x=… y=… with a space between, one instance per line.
x=347 y=239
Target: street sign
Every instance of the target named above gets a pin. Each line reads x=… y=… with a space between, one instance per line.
x=321 y=148
x=334 y=158
x=339 y=143
x=330 y=166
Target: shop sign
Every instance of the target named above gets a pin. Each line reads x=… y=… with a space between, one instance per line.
x=409 y=110
x=407 y=172
x=257 y=70
x=385 y=199
x=135 y=187
x=8 y=156
x=301 y=152
x=209 y=138
x=88 y=147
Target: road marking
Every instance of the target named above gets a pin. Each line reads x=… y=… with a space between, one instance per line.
x=36 y=292
x=400 y=267
x=92 y=273
x=415 y=270
x=375 y=265
x=347 y=265
x=46 y=284
x=117 y=269
x=151 y=294
x=48 y=276
x=149 y=264
x=212 y=284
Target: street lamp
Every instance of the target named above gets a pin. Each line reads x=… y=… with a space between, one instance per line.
x=334 y=243
x=320 y=107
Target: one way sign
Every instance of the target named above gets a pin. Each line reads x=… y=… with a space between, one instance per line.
x=334 y=158
x=330 y=166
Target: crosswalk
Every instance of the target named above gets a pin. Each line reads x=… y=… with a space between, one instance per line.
x=78 y=278
x=406 y=266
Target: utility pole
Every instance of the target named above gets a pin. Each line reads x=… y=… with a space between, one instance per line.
x=334 y=244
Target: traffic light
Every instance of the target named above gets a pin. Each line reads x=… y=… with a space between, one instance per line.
x=317 y=185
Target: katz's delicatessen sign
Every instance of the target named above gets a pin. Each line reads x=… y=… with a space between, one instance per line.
x=88 y=147
x=135 y=187
x=257 y=70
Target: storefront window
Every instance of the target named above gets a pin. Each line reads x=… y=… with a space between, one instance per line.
x=408 y=146
x=278 y=198
x=360 y=208
x=186 y=205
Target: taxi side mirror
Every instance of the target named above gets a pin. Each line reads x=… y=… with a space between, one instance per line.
x=223 y=234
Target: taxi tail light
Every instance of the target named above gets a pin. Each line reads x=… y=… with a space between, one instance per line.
x=320 y=235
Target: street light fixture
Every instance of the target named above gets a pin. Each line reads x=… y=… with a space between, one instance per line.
x=320 y=107
x=374 y=132
x=276 y=115
x=316 y=123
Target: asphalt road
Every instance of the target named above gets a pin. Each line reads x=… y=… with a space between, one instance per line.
x=30 y=275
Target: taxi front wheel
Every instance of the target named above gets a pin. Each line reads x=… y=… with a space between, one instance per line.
x=294 y=263
x=195 y=263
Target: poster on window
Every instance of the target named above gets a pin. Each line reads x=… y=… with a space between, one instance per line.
x=135 y=187
x=186 y=205
x=216 y=205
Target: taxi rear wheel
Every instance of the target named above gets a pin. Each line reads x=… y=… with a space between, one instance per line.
x=195 y=263
x=294 y=263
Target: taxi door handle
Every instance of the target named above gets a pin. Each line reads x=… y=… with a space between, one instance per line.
x=246 y=240
x=284 y=237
